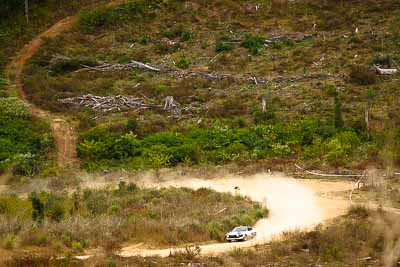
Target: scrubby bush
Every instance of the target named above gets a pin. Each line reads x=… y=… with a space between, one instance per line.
x=21 y=139
x=10 y=241
x=69 y=65
x=183 y=63
x=340 y=147
x=11 y=107
x=131 y=124
x=253 y=44
x=187 y=36
x=223 y=46
x=362 y=75
x=218 y=144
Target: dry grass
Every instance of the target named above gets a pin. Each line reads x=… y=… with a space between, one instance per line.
x=361 y=238
x=106 y=219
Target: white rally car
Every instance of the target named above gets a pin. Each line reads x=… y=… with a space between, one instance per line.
x=241 y=233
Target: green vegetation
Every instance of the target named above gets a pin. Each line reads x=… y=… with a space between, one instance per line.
x=106 y=218
x=253 y=44
x=319 y=122
x=25 y=144
x=307 y=139
x=223 y=46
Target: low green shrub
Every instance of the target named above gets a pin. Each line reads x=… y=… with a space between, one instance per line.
x=24 y=144
x=223 y=46
x=253 y=43
x=221 y=143
x=183 y=63
x=12 y=107
x=187 y=36
x=10 y=241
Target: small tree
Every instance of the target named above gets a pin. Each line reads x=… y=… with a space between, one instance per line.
x=76 y=200
x=38 y=208
x=54 y=208
x=158 y=158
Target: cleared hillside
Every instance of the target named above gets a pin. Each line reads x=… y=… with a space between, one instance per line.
x=311 y=61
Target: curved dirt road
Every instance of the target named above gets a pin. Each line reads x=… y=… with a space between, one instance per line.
x=293 y=204
x=63 y=131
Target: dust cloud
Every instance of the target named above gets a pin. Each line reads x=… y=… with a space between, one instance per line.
x=293 y=204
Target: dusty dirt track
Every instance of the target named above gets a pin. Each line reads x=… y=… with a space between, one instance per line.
x=63 y=132
x=293 y=204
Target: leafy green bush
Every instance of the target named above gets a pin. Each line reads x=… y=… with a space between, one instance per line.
x=253 y=44
x=3 y=84
x=183 y=63
x=13 y=107
x=341 y=147
x=24 y=145
x=26 y=165
x=223 y=46
x=215 y=145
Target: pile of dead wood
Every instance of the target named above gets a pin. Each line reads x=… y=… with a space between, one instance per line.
x=106 y=103
x=121 y=103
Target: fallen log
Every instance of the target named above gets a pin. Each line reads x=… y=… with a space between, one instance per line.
x=382 y=71
x=327 y=174
x=213 y=76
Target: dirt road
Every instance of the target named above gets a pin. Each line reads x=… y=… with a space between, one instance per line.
x=63 y=131
x=293 y=204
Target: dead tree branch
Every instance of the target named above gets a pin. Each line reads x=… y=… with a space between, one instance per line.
x=213 y=76
x=327 y=174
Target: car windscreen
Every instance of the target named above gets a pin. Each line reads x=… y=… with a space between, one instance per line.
x=240 y=229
